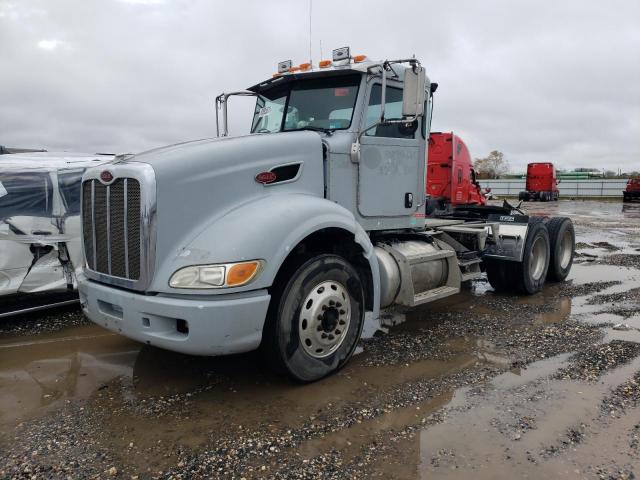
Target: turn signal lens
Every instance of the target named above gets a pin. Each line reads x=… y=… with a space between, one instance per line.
x=324 y=63
x=359 y=58
x=241 y=273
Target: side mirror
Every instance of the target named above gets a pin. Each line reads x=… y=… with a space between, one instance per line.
x=413 y=96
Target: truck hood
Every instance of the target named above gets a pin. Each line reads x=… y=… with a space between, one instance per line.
x=200 y=182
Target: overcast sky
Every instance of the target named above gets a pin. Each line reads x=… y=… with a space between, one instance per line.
x=541 y=81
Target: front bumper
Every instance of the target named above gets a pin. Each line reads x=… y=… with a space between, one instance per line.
x=218 y=325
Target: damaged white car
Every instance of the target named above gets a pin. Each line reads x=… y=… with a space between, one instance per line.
x=40 y=247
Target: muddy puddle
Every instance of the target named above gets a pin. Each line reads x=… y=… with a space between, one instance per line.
x=39 y=373
x=529 y=428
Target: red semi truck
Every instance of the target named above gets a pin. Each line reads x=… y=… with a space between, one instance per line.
x=632 y=192
x=542 y=183
x=451 y=180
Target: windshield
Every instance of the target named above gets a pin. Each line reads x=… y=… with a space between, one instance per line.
x=319 y=104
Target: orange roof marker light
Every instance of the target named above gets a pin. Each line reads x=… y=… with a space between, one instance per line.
x=276 y=75
x=324 y=63
x=304 y=67
x=294 y=69
x=359 y=58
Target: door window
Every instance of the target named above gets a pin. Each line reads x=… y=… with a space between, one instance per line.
x=392 y=110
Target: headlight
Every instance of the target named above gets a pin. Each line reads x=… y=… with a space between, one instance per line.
x=216 y=276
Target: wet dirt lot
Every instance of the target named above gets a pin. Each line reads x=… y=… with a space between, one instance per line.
x=477 y=385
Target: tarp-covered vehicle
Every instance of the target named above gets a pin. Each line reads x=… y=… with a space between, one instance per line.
x=40 y=248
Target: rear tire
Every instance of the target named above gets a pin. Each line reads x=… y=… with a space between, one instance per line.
x=498 y=274
x=315 y=319
x=528 y=276
x=563 y=239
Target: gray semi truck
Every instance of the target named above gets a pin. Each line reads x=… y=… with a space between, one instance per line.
x=287 y=238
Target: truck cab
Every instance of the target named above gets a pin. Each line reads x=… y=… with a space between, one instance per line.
x=541 y=183
x=289 y=237
x=632 y=190
x=451 y=180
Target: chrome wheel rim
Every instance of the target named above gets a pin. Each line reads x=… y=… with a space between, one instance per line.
x=538 y=258
x=566 y=249
x=324 y=319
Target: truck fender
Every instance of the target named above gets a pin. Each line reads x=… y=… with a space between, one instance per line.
x=268 y=229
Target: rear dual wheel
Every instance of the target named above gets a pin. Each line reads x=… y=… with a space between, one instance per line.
x=527 y=276
x=563 y=241
x=548 y=255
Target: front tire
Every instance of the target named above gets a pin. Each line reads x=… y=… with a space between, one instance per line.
x=315 y=319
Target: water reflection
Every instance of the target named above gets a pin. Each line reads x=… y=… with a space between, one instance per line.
x=36 y=375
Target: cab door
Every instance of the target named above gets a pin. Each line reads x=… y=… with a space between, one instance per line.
x=392 y=160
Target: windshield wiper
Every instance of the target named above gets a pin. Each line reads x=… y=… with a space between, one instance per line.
x=328 y=131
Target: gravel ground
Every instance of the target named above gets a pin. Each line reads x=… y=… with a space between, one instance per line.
x=592 y=362
x=621 y=260
x=46 y=321
x=625 y=396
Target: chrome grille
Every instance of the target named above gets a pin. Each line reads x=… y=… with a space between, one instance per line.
x=111 y=227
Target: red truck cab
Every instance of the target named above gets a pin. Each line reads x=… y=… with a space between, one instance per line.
x=542 y=183
x=632 y=192
x=450 y=176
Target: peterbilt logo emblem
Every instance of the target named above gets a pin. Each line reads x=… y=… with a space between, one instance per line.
x=266 y=177
x=106 y=176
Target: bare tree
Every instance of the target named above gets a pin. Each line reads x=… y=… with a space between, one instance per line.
x=492 y=166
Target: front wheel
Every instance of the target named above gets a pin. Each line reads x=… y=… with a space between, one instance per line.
x=315 y=318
